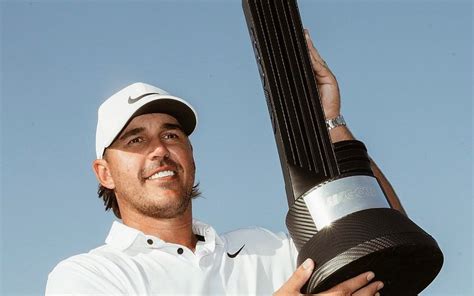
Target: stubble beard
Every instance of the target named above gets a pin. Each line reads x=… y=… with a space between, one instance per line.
x=160 y=207
x=157 y=205
x=172 y=209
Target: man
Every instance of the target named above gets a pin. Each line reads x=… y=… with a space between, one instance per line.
x=146 y=171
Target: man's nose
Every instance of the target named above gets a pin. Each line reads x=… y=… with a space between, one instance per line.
x=158 y=149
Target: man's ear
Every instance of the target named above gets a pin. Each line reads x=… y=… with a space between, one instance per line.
x=102 y=173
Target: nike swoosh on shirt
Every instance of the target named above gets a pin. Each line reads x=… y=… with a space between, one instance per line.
x=236 y=253
x=134 y=100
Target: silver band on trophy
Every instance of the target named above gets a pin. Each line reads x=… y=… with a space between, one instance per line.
x=330 y=201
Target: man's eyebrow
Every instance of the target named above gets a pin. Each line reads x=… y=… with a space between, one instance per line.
x=132 y=132
x=170 y=126
x=136 y=131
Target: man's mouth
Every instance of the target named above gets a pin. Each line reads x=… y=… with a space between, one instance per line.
x=162 y=174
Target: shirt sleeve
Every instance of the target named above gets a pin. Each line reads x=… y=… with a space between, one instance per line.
x=291 y=246
x=72 y=277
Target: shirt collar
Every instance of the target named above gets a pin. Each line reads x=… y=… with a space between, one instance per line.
x=211 y=238
x=123 y=237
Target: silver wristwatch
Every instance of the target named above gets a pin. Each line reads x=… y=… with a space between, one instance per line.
x=335 y=122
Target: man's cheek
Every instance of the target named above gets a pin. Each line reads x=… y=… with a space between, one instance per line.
x=127 y=168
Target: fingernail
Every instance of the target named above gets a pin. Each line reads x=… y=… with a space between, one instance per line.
x=377 y=294
x=307 y=263
x=380 y=286
x=370 y=276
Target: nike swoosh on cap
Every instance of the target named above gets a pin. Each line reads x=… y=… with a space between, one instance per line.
x=134 y=100
x=236 y=253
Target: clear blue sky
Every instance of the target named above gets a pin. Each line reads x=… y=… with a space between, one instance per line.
x=405 y=70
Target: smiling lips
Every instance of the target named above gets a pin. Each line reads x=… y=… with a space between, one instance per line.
x=162 y=174
x=166 y=169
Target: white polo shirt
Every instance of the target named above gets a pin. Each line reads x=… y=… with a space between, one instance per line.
x=132 y=263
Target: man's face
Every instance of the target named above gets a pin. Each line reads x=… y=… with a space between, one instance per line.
x=152 y=166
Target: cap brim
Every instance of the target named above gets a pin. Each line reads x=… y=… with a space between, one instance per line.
x=182 y=112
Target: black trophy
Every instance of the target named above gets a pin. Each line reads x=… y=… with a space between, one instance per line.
x=338 y=214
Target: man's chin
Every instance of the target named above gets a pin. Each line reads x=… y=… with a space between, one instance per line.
x=168 y=211
x=165 y=204
x=164 y=195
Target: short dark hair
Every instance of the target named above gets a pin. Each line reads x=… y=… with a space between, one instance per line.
x=110 y=200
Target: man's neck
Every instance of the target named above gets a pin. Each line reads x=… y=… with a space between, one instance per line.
x=176 y=230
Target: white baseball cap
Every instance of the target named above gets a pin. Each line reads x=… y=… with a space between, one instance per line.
x=137 y=99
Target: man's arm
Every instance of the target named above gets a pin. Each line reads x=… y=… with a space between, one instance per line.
x=342 y=133
x=331 y=100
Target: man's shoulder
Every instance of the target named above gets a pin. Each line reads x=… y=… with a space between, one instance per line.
x=84 y=272
x=256 y=231
x=90 y=260
x=257 y=238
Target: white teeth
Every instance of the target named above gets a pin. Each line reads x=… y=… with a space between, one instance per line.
x=161 y=174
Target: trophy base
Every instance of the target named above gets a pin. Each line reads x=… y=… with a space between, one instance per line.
x=384 y=241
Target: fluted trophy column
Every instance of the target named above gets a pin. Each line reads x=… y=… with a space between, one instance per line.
x=338 y=214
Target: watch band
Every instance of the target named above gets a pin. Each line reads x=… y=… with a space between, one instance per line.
x=335 y=122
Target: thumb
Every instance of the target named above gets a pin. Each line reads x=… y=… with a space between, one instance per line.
x=298 y=279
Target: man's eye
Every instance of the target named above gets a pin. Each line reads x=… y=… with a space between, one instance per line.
x=170 y=136
x=135 y=141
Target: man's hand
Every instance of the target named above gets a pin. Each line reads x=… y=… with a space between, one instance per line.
x=328 y=91
x=356 y=286
x=326 y=81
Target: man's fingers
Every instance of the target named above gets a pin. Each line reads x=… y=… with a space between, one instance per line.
x=300 y=276
x=297 y=280
x=312 y=48
x=320 y=67
x=356 y=286
x=355 y=283
x=371 y=289
x=359 y=281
